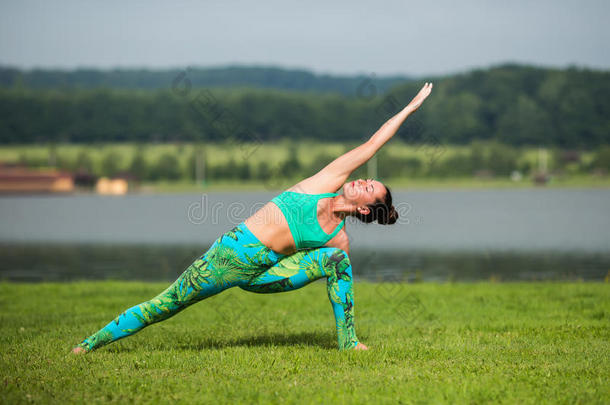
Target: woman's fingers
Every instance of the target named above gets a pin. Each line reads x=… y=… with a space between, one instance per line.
x=425 y=91
x=427 y=88
x=421 y=96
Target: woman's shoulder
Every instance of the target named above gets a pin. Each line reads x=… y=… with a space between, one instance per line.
x=311 y=185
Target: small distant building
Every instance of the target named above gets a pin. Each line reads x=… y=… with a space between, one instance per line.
x=115 y=186
x=516 y=175
x=18 y=179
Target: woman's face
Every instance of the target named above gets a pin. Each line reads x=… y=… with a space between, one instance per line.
x=364 y=192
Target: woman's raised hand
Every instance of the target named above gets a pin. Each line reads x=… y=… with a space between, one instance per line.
x=420 y=97
x=332 y=177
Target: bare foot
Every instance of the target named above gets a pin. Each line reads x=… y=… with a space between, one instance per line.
x=360 y=346
x=79 y=350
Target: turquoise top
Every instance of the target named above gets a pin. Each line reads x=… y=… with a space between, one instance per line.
x=301 y=212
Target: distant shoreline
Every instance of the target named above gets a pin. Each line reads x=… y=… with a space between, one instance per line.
x=172 y=168
x=585 y=182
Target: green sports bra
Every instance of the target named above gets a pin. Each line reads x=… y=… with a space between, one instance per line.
x=301 y=212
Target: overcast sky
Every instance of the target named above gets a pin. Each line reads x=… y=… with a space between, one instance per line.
x=407 y=37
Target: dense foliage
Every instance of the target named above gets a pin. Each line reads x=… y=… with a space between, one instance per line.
x=515 y=105
x=519 y=105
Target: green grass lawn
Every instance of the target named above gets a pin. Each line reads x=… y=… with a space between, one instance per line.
x=430 y=343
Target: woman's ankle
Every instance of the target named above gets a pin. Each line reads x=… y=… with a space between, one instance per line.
x=360 y=346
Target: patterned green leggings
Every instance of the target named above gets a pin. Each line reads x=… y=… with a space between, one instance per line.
x=239 y=259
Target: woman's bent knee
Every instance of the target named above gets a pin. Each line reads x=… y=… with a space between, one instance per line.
x=339 y=259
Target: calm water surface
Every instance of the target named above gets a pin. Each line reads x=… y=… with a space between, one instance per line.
x=442 y=235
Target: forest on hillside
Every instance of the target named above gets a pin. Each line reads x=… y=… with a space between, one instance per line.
x=511 y=104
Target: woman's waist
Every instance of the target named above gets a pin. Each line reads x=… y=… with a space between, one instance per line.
x=246 y=243
x=271 y=228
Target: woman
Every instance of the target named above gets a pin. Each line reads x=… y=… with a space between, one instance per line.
x=295 y=239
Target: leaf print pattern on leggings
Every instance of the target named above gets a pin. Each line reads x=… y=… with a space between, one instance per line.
x=303 y=267
x=238 y=258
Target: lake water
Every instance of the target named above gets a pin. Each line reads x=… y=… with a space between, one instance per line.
x=529 y=234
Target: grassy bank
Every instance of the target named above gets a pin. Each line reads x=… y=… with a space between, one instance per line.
x=580 y=181
x=451 y=343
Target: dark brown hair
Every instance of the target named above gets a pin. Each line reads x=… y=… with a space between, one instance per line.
x=382 y=211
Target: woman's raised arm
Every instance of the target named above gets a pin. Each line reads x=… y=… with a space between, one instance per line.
x=332 y=177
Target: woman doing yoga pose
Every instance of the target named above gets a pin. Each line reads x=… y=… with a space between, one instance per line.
x=293 y=240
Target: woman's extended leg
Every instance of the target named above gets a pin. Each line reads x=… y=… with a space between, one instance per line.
x=235 y=258
x=303 y=267
x=192 y=286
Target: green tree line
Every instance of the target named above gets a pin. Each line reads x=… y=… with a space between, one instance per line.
x=514 y=105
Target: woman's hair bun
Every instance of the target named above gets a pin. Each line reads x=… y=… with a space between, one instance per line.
x=387 y=217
